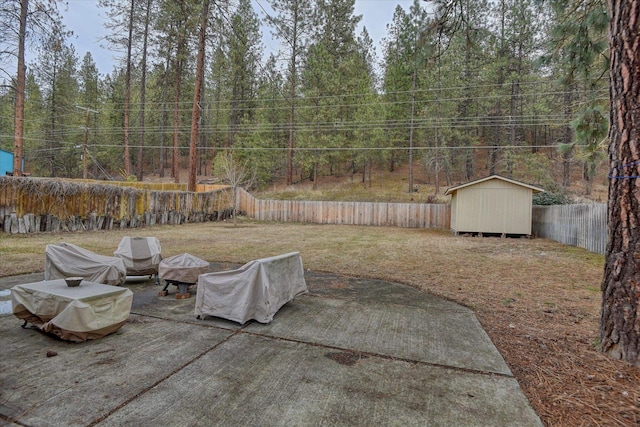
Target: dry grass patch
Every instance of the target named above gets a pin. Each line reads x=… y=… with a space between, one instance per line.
x=539 y=301
x=384 y=187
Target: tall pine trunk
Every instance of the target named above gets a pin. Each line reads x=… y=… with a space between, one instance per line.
x=127 y=95
x=195 y=115
x=180 y=48
x=620 y=319
x=18 y=120
x=163 y=119
x=292 y=95
x=143 y=91
x=175 y=172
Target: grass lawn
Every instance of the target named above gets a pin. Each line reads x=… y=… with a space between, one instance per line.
x=538 y=300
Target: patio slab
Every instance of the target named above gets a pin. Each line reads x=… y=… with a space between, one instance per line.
x=350 y=352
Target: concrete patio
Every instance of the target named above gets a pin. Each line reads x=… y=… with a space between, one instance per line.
x=350 y=352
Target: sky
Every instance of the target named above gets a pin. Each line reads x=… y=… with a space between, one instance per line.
x=86 y=19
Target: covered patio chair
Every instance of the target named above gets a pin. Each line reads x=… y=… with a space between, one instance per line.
x=141 y=255
x=67 y=260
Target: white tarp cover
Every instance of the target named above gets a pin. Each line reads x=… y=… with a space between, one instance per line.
x=89 y=311
x=141 y=255
x=183 y=268
x=68 y=260
x=256 y=290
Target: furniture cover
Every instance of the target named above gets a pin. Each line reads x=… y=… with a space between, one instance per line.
x=184 y=268
x=141 y=255
x=68 y=260
x=256 y=290
x=89 y=311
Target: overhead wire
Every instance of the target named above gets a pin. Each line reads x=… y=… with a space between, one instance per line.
x=307 y=148
x=379 y=104
x=324 y=127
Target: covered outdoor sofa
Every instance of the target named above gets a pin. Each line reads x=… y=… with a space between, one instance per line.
x=257 y=290
x=67 y=260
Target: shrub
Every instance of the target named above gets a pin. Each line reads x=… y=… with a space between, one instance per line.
x=552 y=196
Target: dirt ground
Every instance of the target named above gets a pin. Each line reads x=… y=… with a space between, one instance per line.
x=568 y=382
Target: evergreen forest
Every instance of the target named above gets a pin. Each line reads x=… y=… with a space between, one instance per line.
x=458 y=89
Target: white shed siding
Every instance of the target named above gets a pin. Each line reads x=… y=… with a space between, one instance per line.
x=454 y=216
x=493 y=206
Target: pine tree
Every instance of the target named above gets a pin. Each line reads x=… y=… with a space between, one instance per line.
x=89 y=98
x=270 y=133
x=245 y=51
x=37 y=20
x=407 y=52
x=577 y=51
x=292 y=25
x=56 y=75
x=328 y=84
x=464 y=23
x=197 y=96
x=179 y=20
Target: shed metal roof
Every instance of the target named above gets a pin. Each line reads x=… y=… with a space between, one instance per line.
x=488 y=178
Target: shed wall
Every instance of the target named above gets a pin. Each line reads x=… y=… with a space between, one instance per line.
x=454 y=210
x=493 y=206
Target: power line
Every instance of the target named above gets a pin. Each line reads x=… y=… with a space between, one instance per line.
x=403 y=148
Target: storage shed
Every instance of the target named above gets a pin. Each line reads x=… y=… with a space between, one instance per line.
x=492 y=205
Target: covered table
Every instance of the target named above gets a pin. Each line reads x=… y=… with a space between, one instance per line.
x=89 y=311
x=256 y=290
x=182 y=271
x=68 y=260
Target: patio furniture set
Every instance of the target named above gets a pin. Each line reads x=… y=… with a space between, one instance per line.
x=82 y=297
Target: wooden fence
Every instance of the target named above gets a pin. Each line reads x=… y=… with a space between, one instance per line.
x=29 y=205
x=581 y=225
x=410 y=215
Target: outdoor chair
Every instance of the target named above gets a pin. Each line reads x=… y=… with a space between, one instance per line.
x=141 y=256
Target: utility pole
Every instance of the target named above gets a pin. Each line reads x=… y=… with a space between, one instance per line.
x=86 y=134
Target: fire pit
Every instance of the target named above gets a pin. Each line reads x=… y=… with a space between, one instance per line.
x=181 y=271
